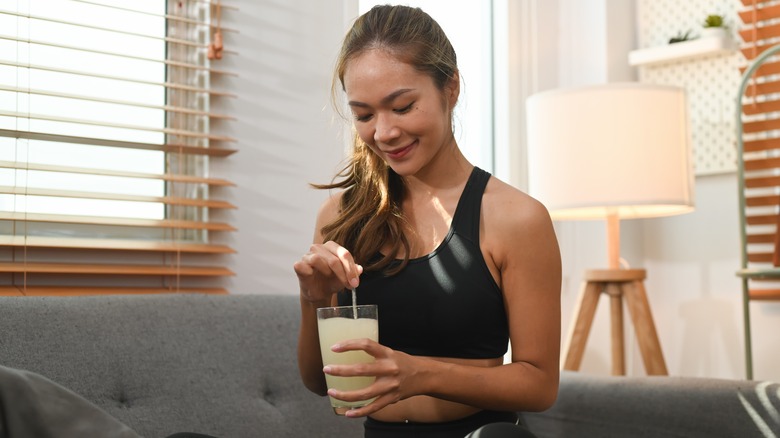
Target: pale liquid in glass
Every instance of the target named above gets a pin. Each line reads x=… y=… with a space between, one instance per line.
x=334 y=330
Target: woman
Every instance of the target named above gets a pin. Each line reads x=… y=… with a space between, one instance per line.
x=459 y=262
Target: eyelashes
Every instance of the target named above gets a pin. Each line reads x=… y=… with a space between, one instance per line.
x=404 y=110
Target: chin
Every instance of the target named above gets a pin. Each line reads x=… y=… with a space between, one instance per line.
x=403 y=169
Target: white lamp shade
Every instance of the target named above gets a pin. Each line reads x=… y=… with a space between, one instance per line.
x=616 y=149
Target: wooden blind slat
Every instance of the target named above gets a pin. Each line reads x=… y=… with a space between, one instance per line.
x=761 y=201
x=764 y=181
x=176 y=148
x=114 y=244
x=760 y=89
x=125 y=222
x=762 y=219
x=169 y=17
x=761 y=14
x=761 y=145
x=761 y=238
x=767 y=69
x=114 y=269
x=761 y=107
x=169 y=131
x=120 y=55
x=762 y=164
x=751 y=52
x=760 y=126
x=168 y=85
x=185 y=179
x=749 y=3
x=168 y=108
x=751 y=35
x=170 y=200
x=763 y=257
x=169 y=40
x=764 y=294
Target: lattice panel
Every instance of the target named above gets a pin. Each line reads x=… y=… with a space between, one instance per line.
x=711 y=81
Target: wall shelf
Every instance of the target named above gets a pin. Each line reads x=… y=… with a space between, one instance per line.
x=680 y=51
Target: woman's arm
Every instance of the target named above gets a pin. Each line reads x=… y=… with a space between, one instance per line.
x=326 y=269
x=523 y=247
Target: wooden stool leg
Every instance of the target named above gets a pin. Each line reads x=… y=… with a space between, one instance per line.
x=647 y=337
x=589 y=298
x=616 y=317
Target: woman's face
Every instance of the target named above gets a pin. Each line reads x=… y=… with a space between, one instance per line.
x=399 y=112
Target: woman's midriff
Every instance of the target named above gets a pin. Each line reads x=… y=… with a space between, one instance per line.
x=425 y=409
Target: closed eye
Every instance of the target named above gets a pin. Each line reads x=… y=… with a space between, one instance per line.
x=367 y=117
x=405 y=109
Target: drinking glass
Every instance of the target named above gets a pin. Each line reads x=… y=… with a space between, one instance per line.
x=336 y=324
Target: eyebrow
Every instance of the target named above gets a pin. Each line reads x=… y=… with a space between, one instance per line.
x=385 y=100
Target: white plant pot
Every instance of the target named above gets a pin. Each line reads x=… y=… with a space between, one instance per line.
x=709 y=32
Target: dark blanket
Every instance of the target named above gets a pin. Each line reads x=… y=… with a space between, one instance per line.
x=34 y=406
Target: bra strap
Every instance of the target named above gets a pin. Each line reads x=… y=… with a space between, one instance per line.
x=466 y=219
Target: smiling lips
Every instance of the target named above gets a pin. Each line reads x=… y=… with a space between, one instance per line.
x=400 y=153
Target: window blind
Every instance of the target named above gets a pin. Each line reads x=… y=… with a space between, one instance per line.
x=760 y=30
x=106 y=139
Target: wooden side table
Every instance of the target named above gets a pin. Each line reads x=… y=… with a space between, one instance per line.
x=617 y=284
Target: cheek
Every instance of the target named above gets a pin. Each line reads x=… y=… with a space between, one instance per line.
x=366 y=134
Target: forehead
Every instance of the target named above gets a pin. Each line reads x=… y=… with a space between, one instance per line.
x=376 y=73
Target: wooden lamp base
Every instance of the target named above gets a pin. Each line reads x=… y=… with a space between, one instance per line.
x=617 y=284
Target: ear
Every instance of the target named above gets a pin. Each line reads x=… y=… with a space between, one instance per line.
x=452 y=90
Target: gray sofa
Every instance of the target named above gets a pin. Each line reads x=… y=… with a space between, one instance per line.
x=225 y=366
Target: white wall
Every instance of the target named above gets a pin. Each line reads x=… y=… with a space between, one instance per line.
x=690 y=259
x=287 y=135
x=288 y=138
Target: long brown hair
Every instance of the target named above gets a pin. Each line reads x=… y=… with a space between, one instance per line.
x=370 y=212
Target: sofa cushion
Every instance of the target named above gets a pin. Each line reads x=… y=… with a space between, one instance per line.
x=659 y=407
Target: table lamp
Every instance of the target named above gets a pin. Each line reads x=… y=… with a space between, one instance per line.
x=613 y=151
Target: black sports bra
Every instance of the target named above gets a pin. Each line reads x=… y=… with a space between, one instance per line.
x=445 y=304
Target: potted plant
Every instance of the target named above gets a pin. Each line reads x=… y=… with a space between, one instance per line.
x=680 y=37
x=714 y=26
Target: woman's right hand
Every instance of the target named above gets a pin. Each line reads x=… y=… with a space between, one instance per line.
x=326 y=269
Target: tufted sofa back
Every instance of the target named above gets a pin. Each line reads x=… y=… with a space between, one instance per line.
x=220 y=365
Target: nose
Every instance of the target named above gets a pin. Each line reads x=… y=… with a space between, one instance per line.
x=385 y=130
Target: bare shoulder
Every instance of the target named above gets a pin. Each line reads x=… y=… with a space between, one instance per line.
x=514 y=222
x=509 y=209
x=328 y=212
x=329 y=209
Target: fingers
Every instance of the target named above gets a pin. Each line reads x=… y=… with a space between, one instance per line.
x=368 y=345
x=382 y=392
x=331 y=258
x=343 y=265
x=371 y=369
x=384 y=389
x=379 y=403
x=358 y=369
x=326 y=269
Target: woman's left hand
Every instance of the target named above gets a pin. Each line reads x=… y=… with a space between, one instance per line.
x=396 y=378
